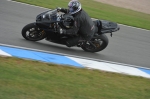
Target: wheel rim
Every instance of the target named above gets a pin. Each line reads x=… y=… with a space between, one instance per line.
x=97 y=42
x=34 y=33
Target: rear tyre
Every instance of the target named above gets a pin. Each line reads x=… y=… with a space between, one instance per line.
x=32 y=33
x=100 y=42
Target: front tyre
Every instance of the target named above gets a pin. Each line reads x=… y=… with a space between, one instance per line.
x=100 y=42
x=32 y=33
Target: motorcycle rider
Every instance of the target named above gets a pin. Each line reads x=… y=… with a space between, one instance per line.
x=83 y=24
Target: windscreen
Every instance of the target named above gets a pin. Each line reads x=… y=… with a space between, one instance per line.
x=50 y=15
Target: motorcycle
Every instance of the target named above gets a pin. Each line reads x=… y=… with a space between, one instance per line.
x=48 y=22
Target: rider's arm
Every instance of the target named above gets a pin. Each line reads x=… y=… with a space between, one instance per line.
x=74 y=30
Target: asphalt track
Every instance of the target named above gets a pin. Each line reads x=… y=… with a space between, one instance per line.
x=127 y=46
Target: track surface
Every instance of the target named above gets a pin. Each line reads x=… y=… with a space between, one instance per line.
x=128 y=46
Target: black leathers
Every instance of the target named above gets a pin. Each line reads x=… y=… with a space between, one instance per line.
x=83 y=25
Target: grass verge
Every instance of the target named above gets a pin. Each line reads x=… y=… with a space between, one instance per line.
x=24 y=79
x=101 y=11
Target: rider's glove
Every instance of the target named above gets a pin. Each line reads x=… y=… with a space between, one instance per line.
x=59 y=9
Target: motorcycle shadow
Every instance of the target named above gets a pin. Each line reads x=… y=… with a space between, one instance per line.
x=58 y=48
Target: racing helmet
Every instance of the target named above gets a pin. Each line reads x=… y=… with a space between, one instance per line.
x=74 y=6
x=68 y=21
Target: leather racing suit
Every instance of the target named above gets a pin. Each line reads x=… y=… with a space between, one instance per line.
x=83 y=25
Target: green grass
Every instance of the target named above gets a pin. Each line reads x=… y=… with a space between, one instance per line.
x=24 y=79
x=101 y=11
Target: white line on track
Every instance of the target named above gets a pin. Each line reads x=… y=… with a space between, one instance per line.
x=93 y=18
x=13 y=46
x=28 y=4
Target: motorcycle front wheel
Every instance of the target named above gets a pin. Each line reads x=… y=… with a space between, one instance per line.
x=32 y=33
x=99 y=42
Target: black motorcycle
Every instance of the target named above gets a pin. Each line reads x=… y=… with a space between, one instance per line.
x=48 y=23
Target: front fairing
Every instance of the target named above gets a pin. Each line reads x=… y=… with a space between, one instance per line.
x=48 y=18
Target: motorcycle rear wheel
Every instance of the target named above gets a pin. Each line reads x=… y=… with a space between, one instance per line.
x=32 y=33
x=100 y=42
